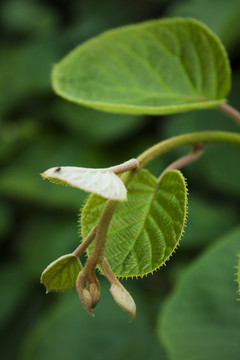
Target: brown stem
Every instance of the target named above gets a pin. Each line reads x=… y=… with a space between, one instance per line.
x=196 y=152
x=86 y=242
x=230 y=112
x=107 y=271
x=101 y=236
x=126 y=166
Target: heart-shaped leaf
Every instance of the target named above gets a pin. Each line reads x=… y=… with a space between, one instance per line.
x=146 y=229
x=62 y=273
x=157 y=67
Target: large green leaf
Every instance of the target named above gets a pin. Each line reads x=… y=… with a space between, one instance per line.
x=146 y=229
x=157 y=67
x=201 y=320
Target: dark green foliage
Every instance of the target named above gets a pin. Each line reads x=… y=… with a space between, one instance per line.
x=38 y=219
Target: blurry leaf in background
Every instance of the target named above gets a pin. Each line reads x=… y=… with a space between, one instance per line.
x=26 y=64
x=68 y=332
x=222 y=17
x=6 y=219
x=25 y=71
x=97 y=16
x=207 y=220
x=157 y=67
x=44 y=239
x=201 y=319
x=15 y=135
x=28 y=16
x=14 y=287
x=97 y=126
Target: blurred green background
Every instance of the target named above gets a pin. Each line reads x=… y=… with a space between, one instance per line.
x=38 y=220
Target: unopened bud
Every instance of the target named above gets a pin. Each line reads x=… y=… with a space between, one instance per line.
x=84 y=294
x=86 y=300
x=95 y=294
x=123 y=299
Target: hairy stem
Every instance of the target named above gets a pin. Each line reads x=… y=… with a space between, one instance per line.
x=128 y=165
x=205 y=137
x=101 y=235
x=107 y=271
x=86 y=242
x=230 y=112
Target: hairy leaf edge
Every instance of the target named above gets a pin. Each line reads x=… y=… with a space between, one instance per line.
x=175 y=247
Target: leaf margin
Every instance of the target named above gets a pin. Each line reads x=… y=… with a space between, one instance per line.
x=146 y=110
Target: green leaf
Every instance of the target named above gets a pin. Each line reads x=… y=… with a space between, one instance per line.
x=221 y=16
x=62 y=273
x=146 y=229
x=201 y=320
x=36 y=18
x=157 y=67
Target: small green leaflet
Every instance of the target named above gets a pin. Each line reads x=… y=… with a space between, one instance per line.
x=62 y=273
x=157 y=67
x=146 y=228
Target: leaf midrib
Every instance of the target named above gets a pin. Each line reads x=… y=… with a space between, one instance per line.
x=143 y=226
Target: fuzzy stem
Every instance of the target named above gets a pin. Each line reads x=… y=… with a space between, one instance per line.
x=230 y=112
x=107 y=271
x=205 y=137
x=185 y=160
x=101 y=235
x=86 y=242
x=126 y=166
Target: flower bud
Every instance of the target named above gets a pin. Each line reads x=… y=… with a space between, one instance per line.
x=86 y=300
x=95 y=294
x=123 y=299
